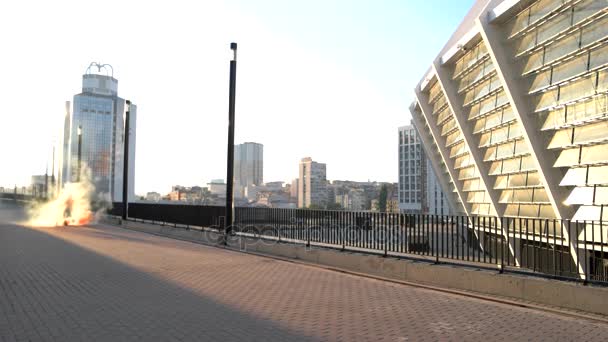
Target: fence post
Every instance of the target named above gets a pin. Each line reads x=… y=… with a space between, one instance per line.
x=585 y=260
x=275 y=218
x=502 y=245
x=435 y=228
x=307 y=233
x=385 y=237
x=342 y=224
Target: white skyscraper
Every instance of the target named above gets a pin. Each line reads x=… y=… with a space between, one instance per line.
x=248 y=166
x=312 y=184
x=419 y=190
x=98 y=116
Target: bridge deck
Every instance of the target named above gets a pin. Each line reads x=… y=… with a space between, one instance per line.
x=106 y=283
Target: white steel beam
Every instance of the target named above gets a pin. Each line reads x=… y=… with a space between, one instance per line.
x=455 y=103
x=515 y=87
x=427 y=145
x=456 y=106
x=426 y=112
x=426 y=115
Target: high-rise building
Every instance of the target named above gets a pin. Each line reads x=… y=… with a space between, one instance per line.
x=514 y=113
x=94 y=128
x=293 y=190
x=312 y=184
x=419 y=190
x=248 y=166
x=410 y=171
x=436 y=200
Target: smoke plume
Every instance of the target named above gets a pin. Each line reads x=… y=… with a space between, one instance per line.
x=71 y=206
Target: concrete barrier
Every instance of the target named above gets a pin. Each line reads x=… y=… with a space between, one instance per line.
x=564 y=294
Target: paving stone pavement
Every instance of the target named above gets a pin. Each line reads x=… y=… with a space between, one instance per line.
x=103 y=283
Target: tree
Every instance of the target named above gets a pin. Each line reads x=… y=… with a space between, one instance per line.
x=381 y=205
x=205 y=196
x=334 y=206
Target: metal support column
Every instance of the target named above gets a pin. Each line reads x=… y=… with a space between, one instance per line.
x=230 y=162
x=515 y=87
x=125 y=166
x=79 y=153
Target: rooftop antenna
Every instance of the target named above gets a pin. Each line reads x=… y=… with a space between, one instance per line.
x=106 y=67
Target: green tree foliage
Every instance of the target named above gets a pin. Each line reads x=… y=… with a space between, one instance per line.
x=334 y=206
x=381 y=206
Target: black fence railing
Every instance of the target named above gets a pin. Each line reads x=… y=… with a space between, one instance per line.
x=559 y=248
x=116 y=209
x=18 y=196
x=189 y=215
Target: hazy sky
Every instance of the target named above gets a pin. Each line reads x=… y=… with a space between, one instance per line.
x=327 y=79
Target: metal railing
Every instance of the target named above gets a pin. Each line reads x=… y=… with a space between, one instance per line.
x=511 y=244
x=183 y=214
x=536 y=246
x=18 y=196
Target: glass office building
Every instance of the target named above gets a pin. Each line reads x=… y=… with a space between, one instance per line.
x=248 y=166
x=98 y=114
x=419 y=190
x=514 y=113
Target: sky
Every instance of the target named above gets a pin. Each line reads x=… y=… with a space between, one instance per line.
x=331 y=80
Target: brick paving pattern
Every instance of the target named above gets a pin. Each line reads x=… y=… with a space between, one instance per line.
x=103 y=283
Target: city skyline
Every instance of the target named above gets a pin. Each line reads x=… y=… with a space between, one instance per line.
x=293 y=79
x=372 y=170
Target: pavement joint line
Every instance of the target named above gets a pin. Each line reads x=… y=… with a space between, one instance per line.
x=530 y=306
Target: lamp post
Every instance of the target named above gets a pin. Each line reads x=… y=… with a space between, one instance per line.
x=46 y=181
x=125 y=166
x=230 y=161
x=53 y=171
x=79 y=153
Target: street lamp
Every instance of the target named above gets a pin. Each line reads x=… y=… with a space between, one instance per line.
x=79 y=152
x=125 y=166
x=53 y=171
x=230 y=162
x=46 y=181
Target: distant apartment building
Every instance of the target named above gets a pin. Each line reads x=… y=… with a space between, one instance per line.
x=312 y=184
x=186 y=194
x=293 y=190
x=40 y=184
x=354 y=199
x=419 y=190
x=217 y=187
x=436 y=201
x=153 y=196
x=271 y=194
x=93 y=135
x=392 y=204
x=353 y=195
x=248 y=166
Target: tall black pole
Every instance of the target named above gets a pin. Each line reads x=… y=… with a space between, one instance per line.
x=53 y=171
x=230 y=162
x=79 y=153
x=125 y=167
x=46 y=181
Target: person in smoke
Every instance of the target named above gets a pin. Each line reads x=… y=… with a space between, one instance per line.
x=67 y=213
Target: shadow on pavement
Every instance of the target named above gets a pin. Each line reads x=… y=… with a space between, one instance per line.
x=53 y=289
x=11 y=211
